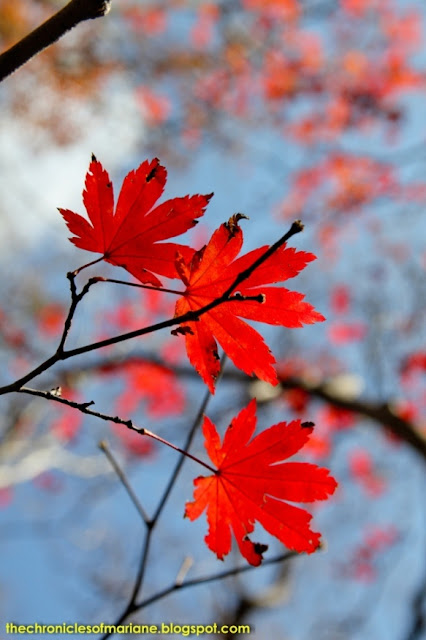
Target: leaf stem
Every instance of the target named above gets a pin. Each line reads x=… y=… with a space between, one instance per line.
x=89 y=264
x=176 y=448
x=143 y=286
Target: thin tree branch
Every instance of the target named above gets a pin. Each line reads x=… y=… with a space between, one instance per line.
x=103 y=446
x=70 y=16
x=190 y=316
x=296 y=227
x=65 y=355
x=75 y=299
x=131 y=605
x=83 y=407
x=380 y=413
x=184 y=452
x=212 y=578
x=80 y=406
x=142 y=286
x=176 y=586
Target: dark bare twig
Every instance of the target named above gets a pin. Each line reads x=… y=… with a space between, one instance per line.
x=80 y=406
x=296 y=227
x=176 y=586
x=217 y=576
x=70 y=16
x=103 y=446
x=131 y=605
x=75 y=299
x=65 y=355
x=83 y=407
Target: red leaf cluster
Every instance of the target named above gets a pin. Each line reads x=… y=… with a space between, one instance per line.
x=253 y=480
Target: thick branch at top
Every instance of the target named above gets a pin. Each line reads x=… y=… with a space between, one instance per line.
x=71 y=15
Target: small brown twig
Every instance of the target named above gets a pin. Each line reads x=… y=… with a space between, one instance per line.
x=104 y=446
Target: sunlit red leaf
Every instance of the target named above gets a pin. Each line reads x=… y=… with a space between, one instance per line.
x=253 y=483
x=131 y=237
x=207 y=276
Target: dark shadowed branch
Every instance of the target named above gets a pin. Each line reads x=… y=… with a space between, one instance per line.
x=380 y=413
x=46 y=34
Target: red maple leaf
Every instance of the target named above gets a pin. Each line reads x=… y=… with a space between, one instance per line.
x=252 y=483
x=209 y=273
x=131 y=236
